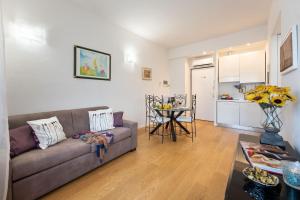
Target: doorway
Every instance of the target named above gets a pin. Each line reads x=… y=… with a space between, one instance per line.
x=203 y=86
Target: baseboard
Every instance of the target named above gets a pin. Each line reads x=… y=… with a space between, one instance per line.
x=259 y=130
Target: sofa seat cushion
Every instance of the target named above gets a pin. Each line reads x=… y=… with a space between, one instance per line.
x=38 y=160
x=120 y=133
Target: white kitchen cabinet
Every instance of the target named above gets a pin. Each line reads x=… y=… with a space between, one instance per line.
x=228 y=113
x=252 y=67
x=251 y=115
x=229 y=69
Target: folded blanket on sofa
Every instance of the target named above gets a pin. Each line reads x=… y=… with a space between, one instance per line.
x=101 y=140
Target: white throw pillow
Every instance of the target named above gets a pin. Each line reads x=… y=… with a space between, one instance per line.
x=48 y=131
x=101 y=120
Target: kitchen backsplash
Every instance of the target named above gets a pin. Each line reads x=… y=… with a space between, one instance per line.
x=229 y=88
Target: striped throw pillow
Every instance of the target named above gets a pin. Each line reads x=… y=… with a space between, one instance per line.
x=101 y=120
x=48 y=131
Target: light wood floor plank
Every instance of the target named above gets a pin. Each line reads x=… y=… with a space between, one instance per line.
x=173 y=170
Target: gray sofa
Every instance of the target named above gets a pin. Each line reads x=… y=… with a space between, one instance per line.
x=38 y=172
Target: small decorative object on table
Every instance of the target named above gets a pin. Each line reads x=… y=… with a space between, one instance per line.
x=172 y=101
x=291 y=174
x=260 y=176
x=271 y=98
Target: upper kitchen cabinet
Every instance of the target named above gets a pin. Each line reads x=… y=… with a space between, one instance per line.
x=252 y=67
x=229 y=70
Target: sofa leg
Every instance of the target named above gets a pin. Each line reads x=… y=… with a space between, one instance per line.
x=133 y=149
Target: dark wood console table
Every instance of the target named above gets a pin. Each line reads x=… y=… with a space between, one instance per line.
x=238 y=184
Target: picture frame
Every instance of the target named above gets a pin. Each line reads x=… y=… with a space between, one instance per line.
x=146 y=73
x=289 y=51
x=91 y=64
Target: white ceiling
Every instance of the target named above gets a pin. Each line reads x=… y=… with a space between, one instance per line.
x=173 y=23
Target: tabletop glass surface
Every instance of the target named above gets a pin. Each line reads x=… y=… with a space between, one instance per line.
x=182 y=108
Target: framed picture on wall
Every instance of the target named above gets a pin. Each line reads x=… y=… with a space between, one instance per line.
x=289 y=51
x=91 y=64
x=147 y=73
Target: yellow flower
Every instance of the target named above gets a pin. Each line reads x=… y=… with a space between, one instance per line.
x=271 y=88
x=290 y=97
x=250 y=96
x=278 y=101
x=270 y=95
x=260 y=98
x=261 y=88
x=279 y=90
x=250 y=92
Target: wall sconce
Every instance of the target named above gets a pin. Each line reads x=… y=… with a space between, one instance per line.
x=130 y=59
x=28 y=34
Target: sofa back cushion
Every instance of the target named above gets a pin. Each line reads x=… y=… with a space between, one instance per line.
x=73 y=121
x=81 y=120
x=64 y=117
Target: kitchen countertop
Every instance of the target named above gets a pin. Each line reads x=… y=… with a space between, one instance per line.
x=234 y=100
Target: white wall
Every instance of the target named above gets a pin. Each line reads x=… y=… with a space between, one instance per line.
x=288 y=13
x=177 y=75
x=4 y=139
x=235 y=39
x=40 y=76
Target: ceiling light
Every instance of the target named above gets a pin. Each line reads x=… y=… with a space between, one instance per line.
x=248 y=44
x=204 y=53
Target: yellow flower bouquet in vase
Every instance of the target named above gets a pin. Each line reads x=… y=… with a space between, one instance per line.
x=270 y=99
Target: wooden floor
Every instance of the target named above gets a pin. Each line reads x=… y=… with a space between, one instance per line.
x=173 y=170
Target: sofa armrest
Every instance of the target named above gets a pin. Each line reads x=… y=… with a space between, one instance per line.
x=133 y=126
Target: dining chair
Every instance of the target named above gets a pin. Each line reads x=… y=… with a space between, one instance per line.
x=191 y=117
x=157 y=118
x=180 y=99
x=148 y=104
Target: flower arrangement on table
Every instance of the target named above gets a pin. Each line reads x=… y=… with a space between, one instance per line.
x=166 y=106
x=269 y=95
x=271 y=98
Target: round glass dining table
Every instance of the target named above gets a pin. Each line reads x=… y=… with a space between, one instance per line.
x=172 y=114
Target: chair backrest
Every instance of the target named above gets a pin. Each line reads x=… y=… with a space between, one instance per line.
x=153 y=115
x=180 y=99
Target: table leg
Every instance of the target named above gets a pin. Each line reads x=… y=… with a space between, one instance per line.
x=181 y=126
x=167 y=125
x=173 y=133
x=157 y=127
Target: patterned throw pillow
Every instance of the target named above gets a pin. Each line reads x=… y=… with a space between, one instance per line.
x=48 y=131
x=101 y=120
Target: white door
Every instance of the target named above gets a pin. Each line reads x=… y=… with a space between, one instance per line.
x=203 y=87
